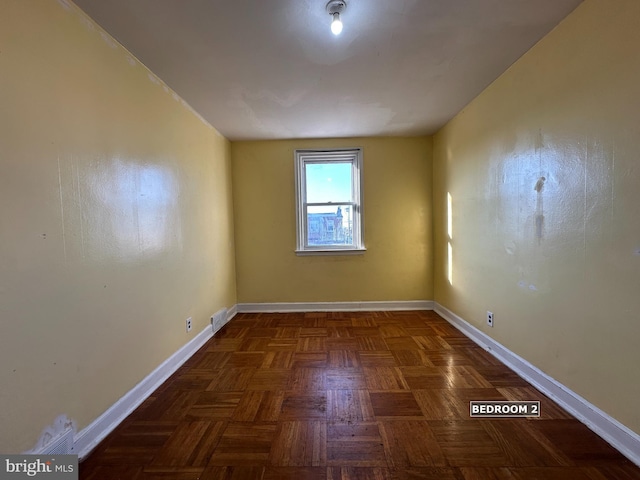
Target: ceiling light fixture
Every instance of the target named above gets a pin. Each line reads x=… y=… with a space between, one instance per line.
x=335 y=8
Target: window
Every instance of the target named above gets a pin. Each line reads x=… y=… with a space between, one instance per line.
x=329 y=201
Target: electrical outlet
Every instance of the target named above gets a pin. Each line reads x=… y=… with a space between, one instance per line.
x=189 y=324
x=490 y=318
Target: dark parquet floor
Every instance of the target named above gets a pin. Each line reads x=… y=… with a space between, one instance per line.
x=371 y=395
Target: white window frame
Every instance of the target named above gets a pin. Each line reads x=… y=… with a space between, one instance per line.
x=344 y=155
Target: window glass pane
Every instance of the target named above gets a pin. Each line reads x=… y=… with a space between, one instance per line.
x=328 y=182
x=330 y=225
x=328 y=201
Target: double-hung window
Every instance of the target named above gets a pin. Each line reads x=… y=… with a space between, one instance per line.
x=329 y=201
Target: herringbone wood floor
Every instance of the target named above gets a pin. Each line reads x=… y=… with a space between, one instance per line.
x=331 y=396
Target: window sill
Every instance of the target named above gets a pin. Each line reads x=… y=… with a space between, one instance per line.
x=331 y=251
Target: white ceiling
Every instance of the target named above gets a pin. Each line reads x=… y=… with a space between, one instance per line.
x=272 y=69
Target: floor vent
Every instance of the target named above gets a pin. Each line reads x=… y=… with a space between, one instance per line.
x=60 y=445
x=219 y=319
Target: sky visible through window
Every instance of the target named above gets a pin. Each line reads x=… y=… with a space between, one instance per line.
x=328 y=182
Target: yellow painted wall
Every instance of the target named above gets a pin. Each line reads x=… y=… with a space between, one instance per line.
x=559 y=268
x=115 y=220
x=397 y=221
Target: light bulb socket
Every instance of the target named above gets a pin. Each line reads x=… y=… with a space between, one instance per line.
x=335 y=8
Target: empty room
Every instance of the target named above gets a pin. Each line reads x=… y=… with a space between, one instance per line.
x=320 y=239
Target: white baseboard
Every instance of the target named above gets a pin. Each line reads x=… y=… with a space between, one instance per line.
x=89 y=437
x=334 y=306
x=620 y=437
